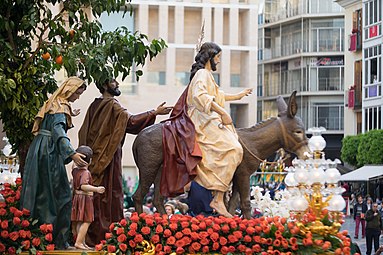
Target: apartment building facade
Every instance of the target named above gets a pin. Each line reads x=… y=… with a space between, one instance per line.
x=301 y=47
x=231 y=24
x=363 y=23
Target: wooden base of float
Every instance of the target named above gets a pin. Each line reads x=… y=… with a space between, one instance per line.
x=70 y=252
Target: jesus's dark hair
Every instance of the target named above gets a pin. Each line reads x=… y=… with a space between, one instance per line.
x=207 y=52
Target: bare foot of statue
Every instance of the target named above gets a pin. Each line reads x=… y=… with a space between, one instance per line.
x=80 y=246
x=86 y=246
x=220 y=208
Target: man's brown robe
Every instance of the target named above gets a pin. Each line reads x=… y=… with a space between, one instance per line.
x=104 y=129
x=180 y=149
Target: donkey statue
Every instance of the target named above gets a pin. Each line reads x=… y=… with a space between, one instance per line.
x=259 y=142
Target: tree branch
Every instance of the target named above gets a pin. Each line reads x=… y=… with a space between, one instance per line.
x=9 y=32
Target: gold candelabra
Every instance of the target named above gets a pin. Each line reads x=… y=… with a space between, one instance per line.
x=316 y=200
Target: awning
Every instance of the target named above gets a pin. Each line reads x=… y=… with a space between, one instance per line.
x=363 y=174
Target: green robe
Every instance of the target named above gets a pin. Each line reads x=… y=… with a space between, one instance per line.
x=46 y=191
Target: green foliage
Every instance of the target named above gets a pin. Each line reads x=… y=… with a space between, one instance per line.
x=350 y=149
x=29 y=29
x=363 y=149
x=370 y=149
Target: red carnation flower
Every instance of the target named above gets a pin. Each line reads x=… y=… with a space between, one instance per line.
x=159 y=229
x=16 y=221
x=194 y=236
x=43 y=228
x=145 y=230
x=232 y=239
x=241 y=248
x=180 y=250
x=132 y=243
x=26 y=212
x=173 y=226
x=50 y=247
x=18 y=181
x=4 y=224
x=180 y=243
x=121 y=238
x=123 y=247
x=178 y=235
x=98 y=247
x=167 y=233
x=133 y=226
x=158 y=247
x=138 y=238
x=225 y=228
x=111 y=248
x=2 y=247
x=23 y=233
x=134 y=217
x=4 y=234
x=25 y=223
x=108 y=235
x=149 y=222
x=14 y=235
x=49 y=237
x=214 y=237
x=119 y=231
x=205 y=249
x=167 y=249
x=2 y=212
x=247 y=239
x=111 y=227
x=3 y=204
x=171 y=240
x=224 y=250
x=18 y=213
x=36 y=241
x=123 y=222
x=11 y=250
x=132 y=232
x=222 y=240
x=186 y=231
x=196 y=246
x=185 y=224
x=204 y=241
x=155 y=239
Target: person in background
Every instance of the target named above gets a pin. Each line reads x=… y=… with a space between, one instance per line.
x=170 y=210
x=373 y=228
x=360 y=209
x=352 y=203
x=46 y=192
x=369 y=203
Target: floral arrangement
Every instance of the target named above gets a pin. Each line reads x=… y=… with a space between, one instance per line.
x=191 y=235
x=268 y=206
x=18 y=231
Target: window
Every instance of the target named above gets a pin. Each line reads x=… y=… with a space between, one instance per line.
x=373 y=118
x=235 y=80
x=326 y=74
x=239 y=114
x=110 y=22
x=372 y=19
x=372 y=75
x=327 y=35
x=182 y=78
x=329 y=116
x=157 y=78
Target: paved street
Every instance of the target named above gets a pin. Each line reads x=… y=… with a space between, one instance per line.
x=350 y=226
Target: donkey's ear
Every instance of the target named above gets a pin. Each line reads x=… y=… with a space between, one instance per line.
x=292 y=105
x=282 y=106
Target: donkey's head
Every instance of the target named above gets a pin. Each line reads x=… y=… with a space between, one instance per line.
x=293 y=137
